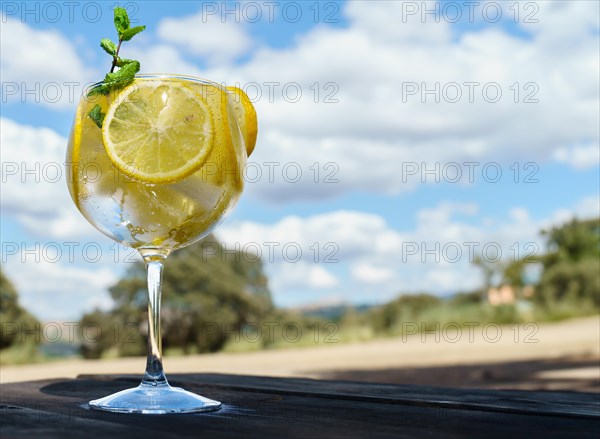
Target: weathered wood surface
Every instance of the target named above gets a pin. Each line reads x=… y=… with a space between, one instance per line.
x=284 y=407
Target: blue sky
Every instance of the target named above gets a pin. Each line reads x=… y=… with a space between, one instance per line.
x=377 y=140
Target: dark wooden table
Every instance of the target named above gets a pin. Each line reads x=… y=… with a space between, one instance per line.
x=298 y=408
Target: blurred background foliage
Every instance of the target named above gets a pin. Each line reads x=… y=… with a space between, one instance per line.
x=207 y=294
x=211 y=298
x=18 y=327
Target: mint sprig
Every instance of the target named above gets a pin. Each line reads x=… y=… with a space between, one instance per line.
x=114 y=81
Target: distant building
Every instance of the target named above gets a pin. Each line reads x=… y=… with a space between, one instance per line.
x=507 y=295
x=502 y=295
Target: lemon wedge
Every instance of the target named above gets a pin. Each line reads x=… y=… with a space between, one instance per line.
x=158 y=132
x=246 y=117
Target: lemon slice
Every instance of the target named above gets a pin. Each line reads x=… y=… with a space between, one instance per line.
x=158 y=132
x=74 y=153
x=246 y=117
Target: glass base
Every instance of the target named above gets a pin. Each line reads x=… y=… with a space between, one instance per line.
x=155 y=400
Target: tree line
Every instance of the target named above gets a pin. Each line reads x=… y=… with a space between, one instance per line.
x=210 y=297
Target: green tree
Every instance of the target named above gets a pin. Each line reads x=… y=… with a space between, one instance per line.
x=572 y=265
x=99 y=333
x=208 y=294
x=16 y=324
x=406 y=308
x=573 y=242
x=571 y=281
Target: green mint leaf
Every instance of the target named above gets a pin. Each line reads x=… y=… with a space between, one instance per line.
x=128 y=34
x=97 y=115
x=100 y=90
x=108 y=46
x=121 y=21
x=117 y=80
x=122 y=77
x=124 y=61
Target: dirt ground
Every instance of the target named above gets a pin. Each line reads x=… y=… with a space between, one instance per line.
x=550 y=356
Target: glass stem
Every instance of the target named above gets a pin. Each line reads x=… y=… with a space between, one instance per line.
x=154 y=374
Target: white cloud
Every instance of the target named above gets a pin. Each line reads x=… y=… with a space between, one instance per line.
x=318 y=277
x=377 y=125
x=548 y=24
x=355 y=229
x=162 y=58
x=209 y=36
x=394 y=22
x=370 y=274
x=34 y=189
x=588 y=207
x=43 y=63
x=59 y=290
x=579 y=156
x=302 y=277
